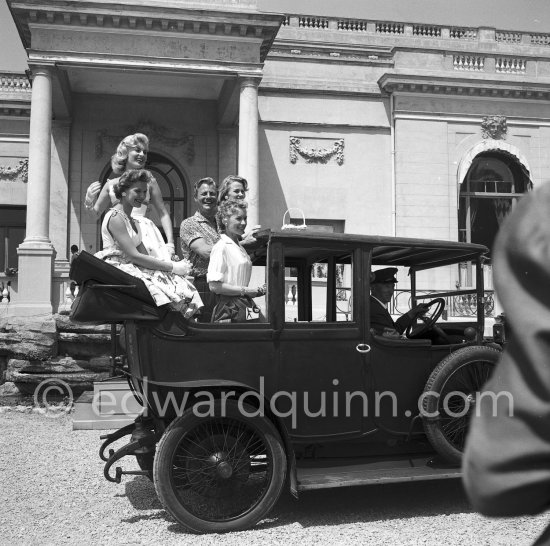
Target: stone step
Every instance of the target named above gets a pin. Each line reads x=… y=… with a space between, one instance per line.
x=30 y=337
x=77 y=375
x=84 y=345
x=65 y=324
x=110 y=405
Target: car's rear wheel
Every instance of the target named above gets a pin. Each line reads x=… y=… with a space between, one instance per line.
x=450 y=396
x=220 y=473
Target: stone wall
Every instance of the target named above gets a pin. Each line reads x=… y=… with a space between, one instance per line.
x=33 y=350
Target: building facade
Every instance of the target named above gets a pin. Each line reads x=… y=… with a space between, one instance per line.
x=382 y=127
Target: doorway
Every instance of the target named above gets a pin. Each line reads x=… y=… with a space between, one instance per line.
x=493 y=184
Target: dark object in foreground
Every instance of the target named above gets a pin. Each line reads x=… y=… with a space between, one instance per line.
x=234 y=412
x=507 y=463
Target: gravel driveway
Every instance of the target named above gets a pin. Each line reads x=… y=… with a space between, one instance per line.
x=53 y=492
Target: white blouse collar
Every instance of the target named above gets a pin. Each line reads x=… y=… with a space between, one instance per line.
x=228 y=240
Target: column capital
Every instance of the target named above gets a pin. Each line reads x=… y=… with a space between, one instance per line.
x=249 y=81
x=45 y=69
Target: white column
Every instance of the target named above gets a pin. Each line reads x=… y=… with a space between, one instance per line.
x=36 y=252
x=248 y=145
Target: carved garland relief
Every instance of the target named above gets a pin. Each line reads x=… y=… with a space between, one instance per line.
x=316 y=154
x=156 y=133
x=18 y=173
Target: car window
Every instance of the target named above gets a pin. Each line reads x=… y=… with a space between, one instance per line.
x=319 y=291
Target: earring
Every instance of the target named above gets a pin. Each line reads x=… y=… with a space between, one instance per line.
x=124 y=193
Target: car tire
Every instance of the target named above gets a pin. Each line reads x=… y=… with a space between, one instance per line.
x=221 y=472
x=450 y=395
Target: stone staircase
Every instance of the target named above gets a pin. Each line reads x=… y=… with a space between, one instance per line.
x=34 y=350
x=54 y=359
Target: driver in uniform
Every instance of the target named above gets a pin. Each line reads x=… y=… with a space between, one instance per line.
x=382 y=287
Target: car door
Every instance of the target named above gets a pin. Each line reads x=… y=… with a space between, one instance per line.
x=321 y=344
x=398 y=369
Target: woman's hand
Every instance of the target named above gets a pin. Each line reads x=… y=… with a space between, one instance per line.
x=261 y=290
x=181 y=268
x=92 y=194
x=249 y=238
x=170 y=247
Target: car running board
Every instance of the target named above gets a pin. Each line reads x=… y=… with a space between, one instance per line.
x=373 y=472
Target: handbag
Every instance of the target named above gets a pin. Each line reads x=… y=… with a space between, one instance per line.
x=235 y=309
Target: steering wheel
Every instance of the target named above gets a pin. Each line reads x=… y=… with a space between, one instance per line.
x=428 y=321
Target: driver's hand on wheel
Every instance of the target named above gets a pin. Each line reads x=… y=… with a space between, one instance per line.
x=418 y=310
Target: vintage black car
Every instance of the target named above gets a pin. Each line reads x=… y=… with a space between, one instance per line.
x=312 y=398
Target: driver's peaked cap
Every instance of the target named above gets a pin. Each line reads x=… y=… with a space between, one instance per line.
x=384 y=275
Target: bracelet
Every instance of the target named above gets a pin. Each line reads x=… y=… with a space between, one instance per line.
x=243 y=288
x=88 y=206
x=172 y=246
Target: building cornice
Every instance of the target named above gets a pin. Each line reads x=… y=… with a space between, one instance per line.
x=440 y=85
x=155 y=18
x=118 y=62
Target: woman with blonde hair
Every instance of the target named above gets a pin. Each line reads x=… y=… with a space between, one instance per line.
x=131 y=153
x=230 y=267
x=232 y=187
x=235 y=187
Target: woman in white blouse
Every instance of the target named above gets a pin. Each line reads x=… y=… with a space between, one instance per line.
x=230 y=267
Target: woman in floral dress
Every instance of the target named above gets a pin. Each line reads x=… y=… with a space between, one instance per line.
x=123 y=247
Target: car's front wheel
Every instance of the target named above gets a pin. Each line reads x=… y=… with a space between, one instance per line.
x=222 y=472
x=450 y=396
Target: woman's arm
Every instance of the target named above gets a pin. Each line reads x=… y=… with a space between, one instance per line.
x=227 y=289
x=117 y=228
x=102 y=202
x=162 y=213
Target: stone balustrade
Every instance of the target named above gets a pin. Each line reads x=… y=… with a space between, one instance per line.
x=471 y=63
x=463 y=49
x=509 y=65
x=424 y=31
x=11 y=82
x=5 y=293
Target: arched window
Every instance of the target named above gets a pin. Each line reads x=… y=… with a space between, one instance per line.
x=492 y=185
x=173 y=187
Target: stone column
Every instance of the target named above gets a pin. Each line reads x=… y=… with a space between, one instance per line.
x=59 y=190
x=36 y=253
x=248 y=144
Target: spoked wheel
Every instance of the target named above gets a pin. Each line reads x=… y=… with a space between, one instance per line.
x=220 y=473
x=450 y=396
